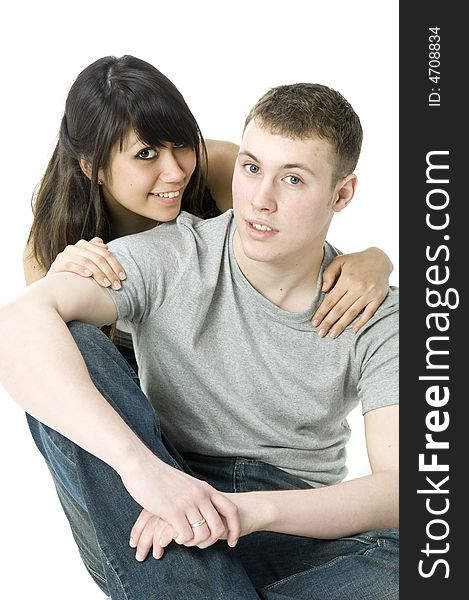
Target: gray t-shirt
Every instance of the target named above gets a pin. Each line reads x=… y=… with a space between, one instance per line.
x=230 y=373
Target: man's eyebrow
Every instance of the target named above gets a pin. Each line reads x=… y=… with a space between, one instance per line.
x=301 y=166
x=245 y=153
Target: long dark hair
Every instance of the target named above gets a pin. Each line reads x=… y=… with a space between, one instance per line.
x=107 y=99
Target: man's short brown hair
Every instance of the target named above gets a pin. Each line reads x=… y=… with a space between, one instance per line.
x=303 y=110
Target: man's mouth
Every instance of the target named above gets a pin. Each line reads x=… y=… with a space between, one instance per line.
x=260 y=227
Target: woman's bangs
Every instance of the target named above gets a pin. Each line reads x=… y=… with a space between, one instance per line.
x=155 y=125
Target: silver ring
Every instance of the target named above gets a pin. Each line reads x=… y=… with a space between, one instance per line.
x=198 y=523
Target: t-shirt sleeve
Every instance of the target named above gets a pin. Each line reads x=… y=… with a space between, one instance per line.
x=142 y=290
x=378 y=349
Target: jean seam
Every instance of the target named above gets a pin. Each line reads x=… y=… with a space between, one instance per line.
x=110 y=565
x=67 y=458
x=369 y=546
x=367 y=541
x=96 y=573
x=334 y=560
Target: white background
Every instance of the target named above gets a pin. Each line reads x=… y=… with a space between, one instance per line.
x=222 y=56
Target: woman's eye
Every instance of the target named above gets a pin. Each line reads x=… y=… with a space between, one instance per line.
x=147 y=153
x=251 y=168
x=293 y=180
x=177 y=146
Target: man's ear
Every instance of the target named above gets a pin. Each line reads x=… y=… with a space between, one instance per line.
x=345 y=189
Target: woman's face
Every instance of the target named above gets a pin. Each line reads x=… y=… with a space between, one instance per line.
x=147 y=181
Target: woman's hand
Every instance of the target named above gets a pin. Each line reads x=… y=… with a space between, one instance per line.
x=356 y=283
x=90 y=259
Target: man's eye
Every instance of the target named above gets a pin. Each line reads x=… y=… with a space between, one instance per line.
x=251 y=168
x=293 y=180
x=147 y=153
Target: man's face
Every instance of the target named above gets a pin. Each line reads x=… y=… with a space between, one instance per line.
x=283 y=198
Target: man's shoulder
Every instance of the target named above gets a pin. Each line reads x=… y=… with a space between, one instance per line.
x=390 y=305
x=174 y=235
x=385 y=321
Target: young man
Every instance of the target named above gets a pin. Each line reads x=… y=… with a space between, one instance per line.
x=254 y=402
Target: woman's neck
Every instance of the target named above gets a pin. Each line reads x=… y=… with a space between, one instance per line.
x=125 y=222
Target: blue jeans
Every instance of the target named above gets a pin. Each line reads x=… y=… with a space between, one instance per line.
x=265 y=565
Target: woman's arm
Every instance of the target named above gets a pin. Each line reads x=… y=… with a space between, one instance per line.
x=88 y=259
x=31 y=268
x=358 y=282
x=219 y=171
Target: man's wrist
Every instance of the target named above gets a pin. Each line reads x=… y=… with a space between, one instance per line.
x=266 y=508
x=131 y=458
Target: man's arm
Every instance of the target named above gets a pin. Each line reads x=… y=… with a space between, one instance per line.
x=350 y=507
x=40 y=314
x=43 y=370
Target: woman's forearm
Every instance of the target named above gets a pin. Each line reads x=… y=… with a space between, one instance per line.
x=330 y=512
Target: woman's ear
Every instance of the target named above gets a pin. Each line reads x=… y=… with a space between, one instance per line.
x=88 y=171
x=85 y=167
x=345 y=189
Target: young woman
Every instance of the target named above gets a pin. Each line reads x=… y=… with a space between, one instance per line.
x=125 y=122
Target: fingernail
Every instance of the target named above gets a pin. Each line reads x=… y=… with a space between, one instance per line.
x=106 y=282
x=122 y=275
x=116 y=285
x=322 y=333
x=132 y=544
x=333 y=334
x=315 y=322
x=138 y=556
x=87 y=272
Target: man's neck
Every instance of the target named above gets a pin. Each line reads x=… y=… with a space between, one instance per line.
x=290 y=285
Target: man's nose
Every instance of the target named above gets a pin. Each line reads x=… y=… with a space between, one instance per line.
x=264 y=197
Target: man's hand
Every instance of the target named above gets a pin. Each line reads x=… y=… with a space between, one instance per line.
x=149 y=530
x=180 y=502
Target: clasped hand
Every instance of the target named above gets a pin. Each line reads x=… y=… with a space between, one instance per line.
x=152 y=531
x=173 y=502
